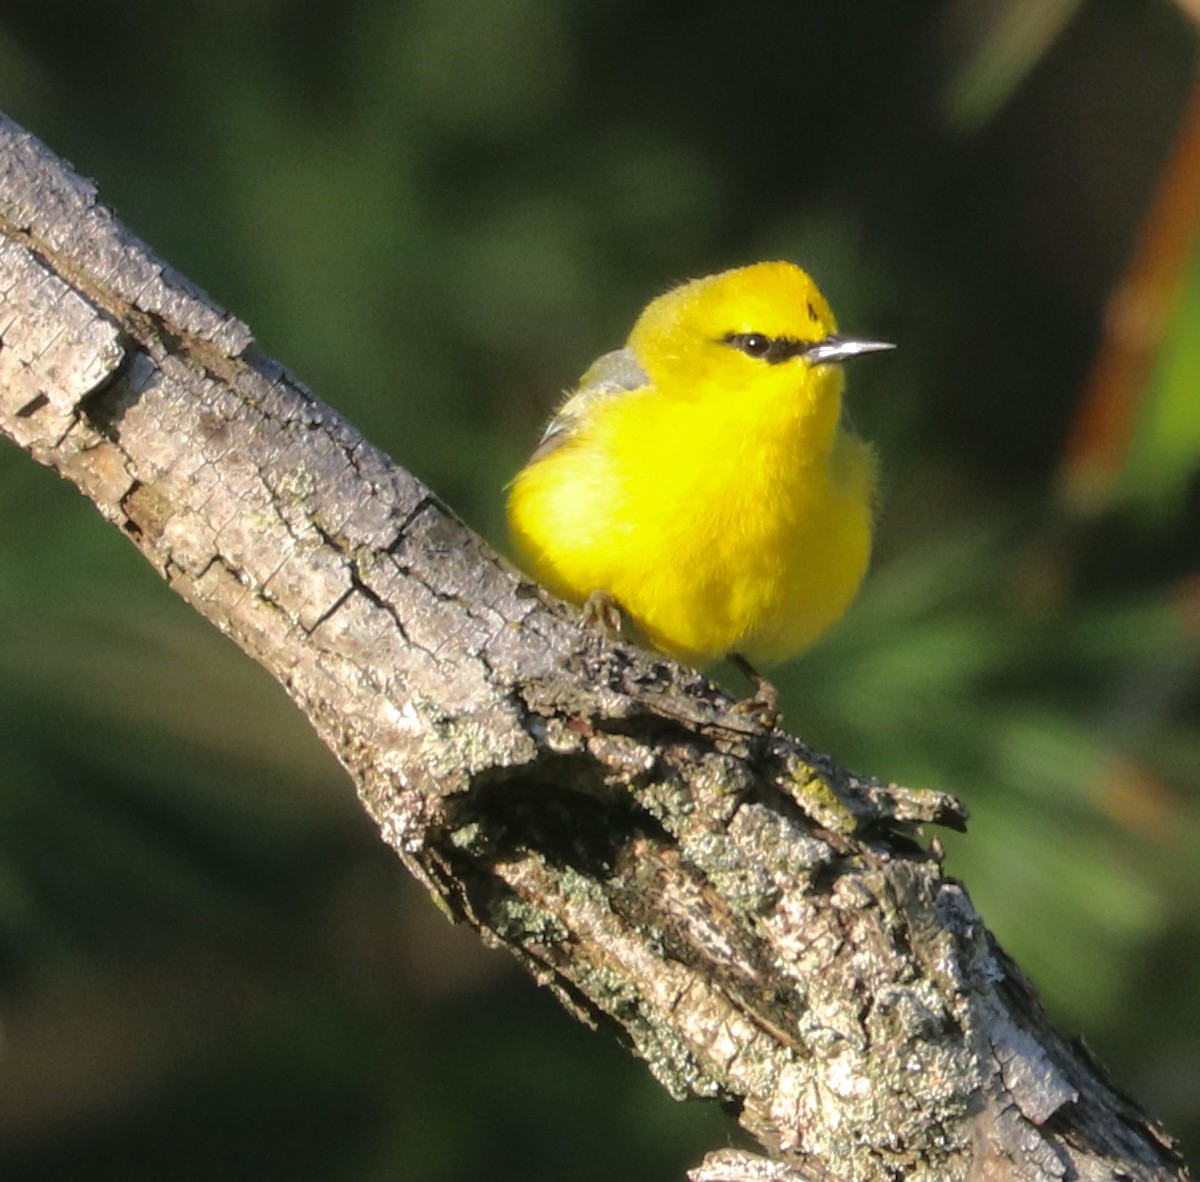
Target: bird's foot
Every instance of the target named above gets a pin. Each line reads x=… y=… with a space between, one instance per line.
x=763 y=703
x=602 y=611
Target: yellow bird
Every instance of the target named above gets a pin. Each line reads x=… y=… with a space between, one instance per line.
x=702 y=478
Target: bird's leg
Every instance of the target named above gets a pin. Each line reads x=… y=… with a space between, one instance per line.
x=763 y=703
x=601 y=610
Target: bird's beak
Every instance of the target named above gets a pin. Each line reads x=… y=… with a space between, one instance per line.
x=835 y=348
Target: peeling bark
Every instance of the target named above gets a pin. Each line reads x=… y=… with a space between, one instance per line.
x=762 y=927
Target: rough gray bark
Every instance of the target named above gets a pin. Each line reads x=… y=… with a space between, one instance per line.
x=760 y=926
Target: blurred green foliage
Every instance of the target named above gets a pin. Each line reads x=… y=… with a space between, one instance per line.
x=437 y=213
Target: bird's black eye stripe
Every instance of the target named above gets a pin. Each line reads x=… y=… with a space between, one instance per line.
x=772 y=350
x=753 y=344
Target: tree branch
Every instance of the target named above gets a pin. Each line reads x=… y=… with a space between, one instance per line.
x=761 y=926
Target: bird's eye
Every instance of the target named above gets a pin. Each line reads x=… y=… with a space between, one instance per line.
x=753 y=344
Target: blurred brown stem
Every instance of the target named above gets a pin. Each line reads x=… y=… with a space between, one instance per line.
x=1134 y=328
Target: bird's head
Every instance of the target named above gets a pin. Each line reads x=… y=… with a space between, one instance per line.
x=765 y=327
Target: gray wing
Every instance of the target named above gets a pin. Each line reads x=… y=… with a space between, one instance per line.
x=610 y=375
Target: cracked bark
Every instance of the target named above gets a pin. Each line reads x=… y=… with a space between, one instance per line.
x=760 y=926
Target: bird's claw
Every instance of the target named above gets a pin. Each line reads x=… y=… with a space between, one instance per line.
x=763 y=703
x=602 y=611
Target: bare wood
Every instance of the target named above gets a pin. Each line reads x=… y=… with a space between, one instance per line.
x=759 y=925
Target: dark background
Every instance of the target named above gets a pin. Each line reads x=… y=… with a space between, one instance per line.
x=437 y=213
